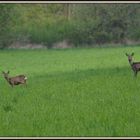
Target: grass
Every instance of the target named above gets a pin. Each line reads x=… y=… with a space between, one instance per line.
x=71 y=92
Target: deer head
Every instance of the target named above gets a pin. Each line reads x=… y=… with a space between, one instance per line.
x=129 y=57
x=6 y=74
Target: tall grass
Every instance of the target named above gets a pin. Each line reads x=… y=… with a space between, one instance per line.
x=71 y=92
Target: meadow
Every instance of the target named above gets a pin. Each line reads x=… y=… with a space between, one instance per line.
x=70 y=92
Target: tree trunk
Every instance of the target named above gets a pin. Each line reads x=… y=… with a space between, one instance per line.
x=67 y=11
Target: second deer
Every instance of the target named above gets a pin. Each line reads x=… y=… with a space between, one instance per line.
x=134 y=65
x=20 y=79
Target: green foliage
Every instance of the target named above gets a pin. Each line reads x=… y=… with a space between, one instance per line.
x=78 y=23
x=6 y=11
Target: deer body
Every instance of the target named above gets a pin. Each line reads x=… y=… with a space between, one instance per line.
x=134 y=65
x=17 y=80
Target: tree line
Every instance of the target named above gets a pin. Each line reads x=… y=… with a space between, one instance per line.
x=78 y=23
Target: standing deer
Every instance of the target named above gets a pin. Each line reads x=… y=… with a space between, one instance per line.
x=134 y=65
x=20 y=79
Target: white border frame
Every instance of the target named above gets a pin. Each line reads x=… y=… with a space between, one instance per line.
x=69 y=1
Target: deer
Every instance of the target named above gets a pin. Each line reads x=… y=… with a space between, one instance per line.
x=134 y=65
x=17 y=80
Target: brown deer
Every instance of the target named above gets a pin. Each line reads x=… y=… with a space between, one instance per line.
x=17 y=80
x=134 y=65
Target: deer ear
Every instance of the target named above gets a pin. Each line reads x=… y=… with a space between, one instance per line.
x=126 y=54
x=8 y=72
x=132 y=54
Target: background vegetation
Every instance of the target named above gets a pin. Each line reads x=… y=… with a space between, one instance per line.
x=78 y=24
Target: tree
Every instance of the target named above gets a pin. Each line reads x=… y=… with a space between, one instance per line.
x=6 y=13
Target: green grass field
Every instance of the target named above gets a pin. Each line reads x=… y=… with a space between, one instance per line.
x=70 y=92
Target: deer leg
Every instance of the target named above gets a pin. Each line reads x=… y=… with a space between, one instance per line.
x=11 y=85
x=25 y=83
x=135 y=73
